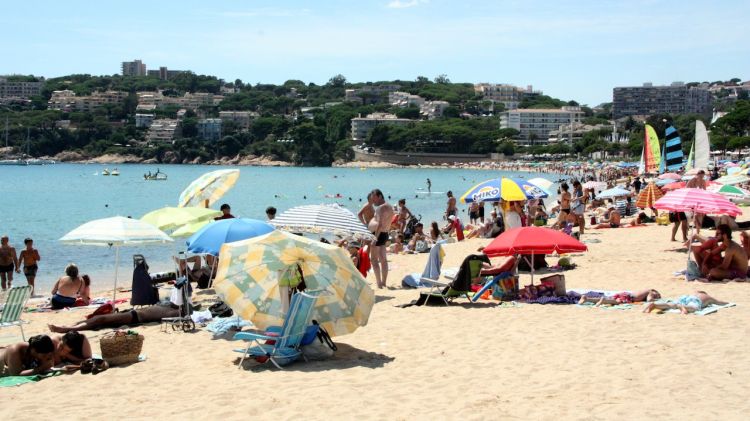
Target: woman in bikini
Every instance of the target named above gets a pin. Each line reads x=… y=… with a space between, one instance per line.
x=67 y=289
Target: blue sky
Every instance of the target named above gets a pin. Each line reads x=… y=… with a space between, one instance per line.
x=569 y=49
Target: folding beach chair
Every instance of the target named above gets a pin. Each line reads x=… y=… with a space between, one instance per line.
x=286 y=346
x=13 y=308
x=460 y=285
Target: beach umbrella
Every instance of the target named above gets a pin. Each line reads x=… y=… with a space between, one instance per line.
x=596 y=185
x=729 y=190
x=613 y=192
x=693 y=171
x=254 y=278
x=210 y=187
x=648 y=196
x=210 y=238
x=733 y=179
x=508 y=189
x=664 y=182
x=170 y=217
x=543 y=184
x=533 y=240
x=189 y=229
x=116 y=231
x=697 y=200
x=733 y=170
x=674 y=186
x=320 y=219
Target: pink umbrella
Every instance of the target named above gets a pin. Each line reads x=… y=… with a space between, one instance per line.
x=697 y=200
x=670 y=175
x=674 y=186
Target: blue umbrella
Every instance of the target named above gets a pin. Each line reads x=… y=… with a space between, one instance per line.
x=211 y=237
x=614 y=192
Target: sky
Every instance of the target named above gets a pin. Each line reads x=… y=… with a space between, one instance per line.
x=568 y=49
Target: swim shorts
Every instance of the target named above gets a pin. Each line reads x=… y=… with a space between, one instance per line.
x=30 y=270
x=473 y=215
x=690 y=301
x=566 y=210
x=135 y=319
x=382 y=239
x=6 y=268
x=613 y=225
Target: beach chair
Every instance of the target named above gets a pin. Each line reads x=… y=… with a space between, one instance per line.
x=13 y=308
x=460 y=285
x=286 y=346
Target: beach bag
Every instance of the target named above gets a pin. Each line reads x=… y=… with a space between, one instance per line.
x=121 y=347
x=103 y=309
x=421 y=247
x=557 y=284
x=693 y=271
x=506 y=289
x=324 y=337
x=220 y=309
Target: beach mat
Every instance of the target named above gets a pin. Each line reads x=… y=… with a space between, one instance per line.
x=713 y=308
x=10 y=381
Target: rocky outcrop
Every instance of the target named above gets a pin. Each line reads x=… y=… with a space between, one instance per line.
x=117 y=159
x=69 y=156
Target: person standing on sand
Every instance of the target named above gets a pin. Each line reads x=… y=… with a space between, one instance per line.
x=381 y=222
x=8 y=262
x=367 y=212
x=29 y=257
x=451 y=208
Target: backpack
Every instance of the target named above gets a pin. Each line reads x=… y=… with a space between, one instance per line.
x=220 y=309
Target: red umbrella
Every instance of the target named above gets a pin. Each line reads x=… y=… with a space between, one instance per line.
x=533 y=240
x=674 y=186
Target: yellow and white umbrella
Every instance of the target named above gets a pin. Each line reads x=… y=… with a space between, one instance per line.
x=170 y=218
x=209 y=187
x=253 y=275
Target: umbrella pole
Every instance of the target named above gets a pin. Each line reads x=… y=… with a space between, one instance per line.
x=117 y=263
x=532 y=268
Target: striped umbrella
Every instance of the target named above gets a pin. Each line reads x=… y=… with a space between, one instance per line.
x=169 y=217
x=209 y=187
x=508 y=189
x=728 y=190
x=543 y=183
x=318 y=219
x=733 y=179
x=648 y=196
x=697 y=200
x=254 y=276
x=116 y=231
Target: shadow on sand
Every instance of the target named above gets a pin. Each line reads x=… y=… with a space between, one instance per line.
x=345 y=357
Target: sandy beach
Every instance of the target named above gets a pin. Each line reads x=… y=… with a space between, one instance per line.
x=466 y=361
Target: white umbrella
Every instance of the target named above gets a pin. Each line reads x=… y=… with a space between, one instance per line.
x=613 y=192
x=116 y=231
x=330 y=218
x=596 y=185
x=544 y=184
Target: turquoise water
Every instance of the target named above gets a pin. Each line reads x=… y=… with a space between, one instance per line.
x=45 y=202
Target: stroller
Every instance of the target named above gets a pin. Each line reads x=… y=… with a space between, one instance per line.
x=181 y=297
x=144 y=291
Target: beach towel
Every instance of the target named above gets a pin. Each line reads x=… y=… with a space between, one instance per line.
x=10 y=381
x=431 y=270
x=223 y=325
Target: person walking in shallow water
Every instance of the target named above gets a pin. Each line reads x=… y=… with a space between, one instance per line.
x=29 y=257
x=8 y=262
x=429 y=186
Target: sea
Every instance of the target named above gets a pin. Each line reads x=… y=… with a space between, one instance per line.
x=45 y=202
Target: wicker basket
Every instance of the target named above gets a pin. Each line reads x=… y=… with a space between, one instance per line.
x=121 y=348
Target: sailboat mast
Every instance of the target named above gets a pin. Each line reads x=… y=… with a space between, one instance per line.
x=6 y=131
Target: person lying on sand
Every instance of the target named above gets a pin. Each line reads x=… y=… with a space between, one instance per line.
x=647 y=295
x=72 y=347
x=686 y=303
x=133 y=317
x=28 y=358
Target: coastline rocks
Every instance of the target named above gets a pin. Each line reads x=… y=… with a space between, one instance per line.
x=69 y=156
x=117 y=159
x=170 y=158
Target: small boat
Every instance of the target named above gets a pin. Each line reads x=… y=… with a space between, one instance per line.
x=105 y=171
x=115 y=172
x=157 y=176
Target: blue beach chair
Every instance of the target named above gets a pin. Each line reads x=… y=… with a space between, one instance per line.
x=286 y=348
x=13 y=308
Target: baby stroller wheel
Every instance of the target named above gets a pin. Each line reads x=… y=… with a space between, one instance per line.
x=175 y=325
x=188 y=325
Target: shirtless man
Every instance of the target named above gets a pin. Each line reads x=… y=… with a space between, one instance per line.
x=381 y=223
x=451 y=208
x=614 y=220
x=686 y=303
x=734 y=264
x=404 y=214
x=367 y=212
x=29 y=257
x=8 y=262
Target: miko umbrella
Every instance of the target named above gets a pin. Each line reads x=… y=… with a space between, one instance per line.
x=613 y=192
x=648 y=196
x=169 y=217
x=533 y=240
x=208 y=188
x=254 y=278
x=508 y=189
x=116 y=231
x=330 y=218
x=210 y=238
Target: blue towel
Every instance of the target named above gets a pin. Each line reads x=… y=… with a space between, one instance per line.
x=431 y=270
x=222 y=325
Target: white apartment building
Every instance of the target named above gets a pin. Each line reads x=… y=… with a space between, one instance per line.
x=434 y=109
x=190 y=100
x=67 y=100
x=144 y=120
x=164 y=130
x=362 y=126
x=209 y=129
x=18 y=89
x=242 y=119
x=534 y=125
x=370 y=93
x=509 y=95
x=405 y=99
x=572 y=132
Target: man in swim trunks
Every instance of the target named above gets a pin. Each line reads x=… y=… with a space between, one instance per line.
x=686 y=303
x=8 y=262
x=734 y=265
x=382 y=219
x=133 y=317
x=451 y=208
x=29 y=257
